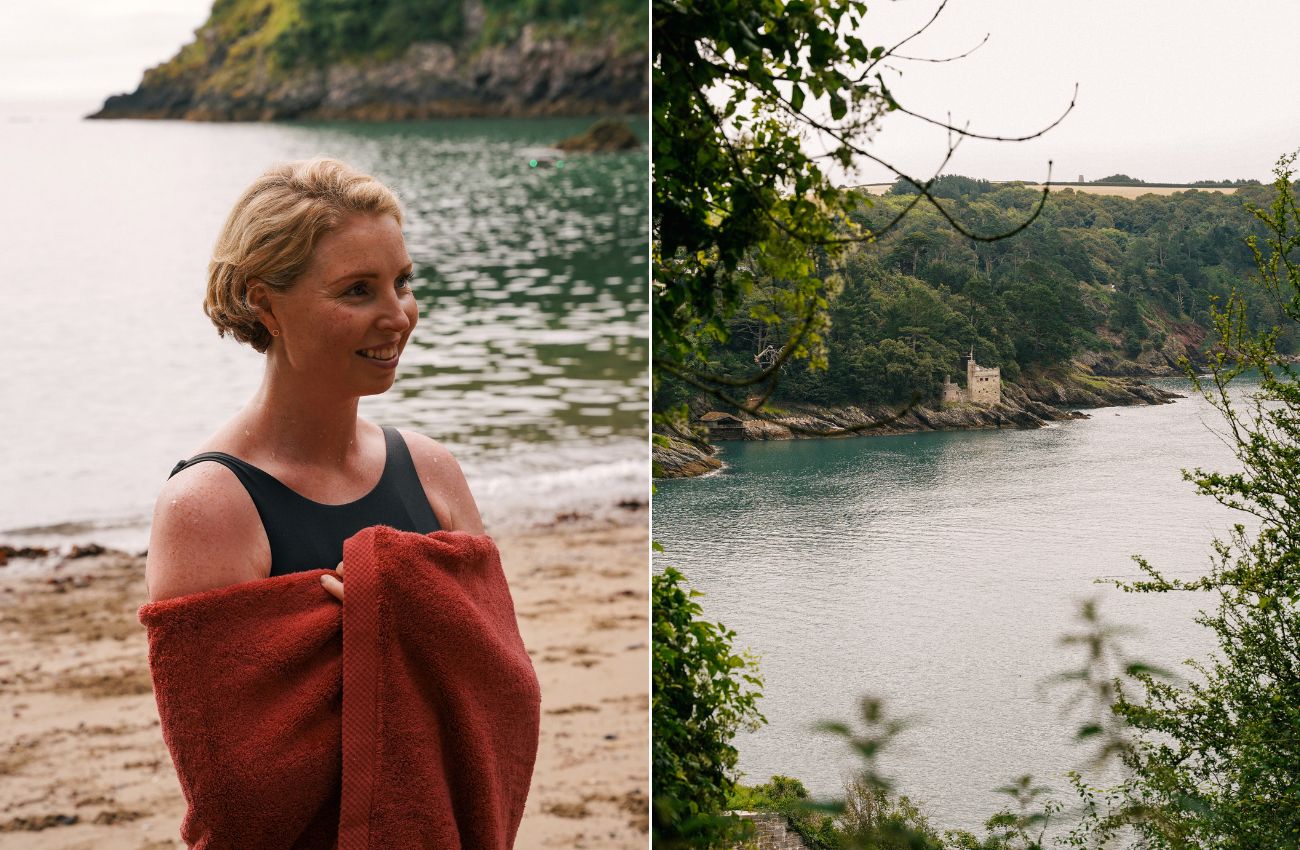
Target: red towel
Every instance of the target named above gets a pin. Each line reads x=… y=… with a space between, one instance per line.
x=407 y=717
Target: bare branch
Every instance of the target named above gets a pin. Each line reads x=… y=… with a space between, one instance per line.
x=983 y=41
x=922 y=187
x=948 y=126
x=890 y=52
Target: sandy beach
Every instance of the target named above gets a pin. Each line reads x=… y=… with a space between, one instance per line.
x=82 y=761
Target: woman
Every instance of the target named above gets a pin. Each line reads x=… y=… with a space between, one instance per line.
x=310 y=269
x=409 y=718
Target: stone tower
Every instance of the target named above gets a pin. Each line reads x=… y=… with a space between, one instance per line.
x=983 y=385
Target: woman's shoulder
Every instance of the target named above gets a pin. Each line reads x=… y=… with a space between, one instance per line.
x=206 y=533
x=424 y=447
x=444 y=483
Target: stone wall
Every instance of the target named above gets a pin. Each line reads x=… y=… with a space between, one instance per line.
x=950 y=393
x=983 y=385
x=772 y=832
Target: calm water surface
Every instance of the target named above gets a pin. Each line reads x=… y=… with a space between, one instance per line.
x=938 y=571
x=529 y=360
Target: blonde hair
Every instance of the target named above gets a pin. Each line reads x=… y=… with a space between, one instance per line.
x=272 y=231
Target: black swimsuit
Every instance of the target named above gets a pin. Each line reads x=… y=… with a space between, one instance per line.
x=307 y=535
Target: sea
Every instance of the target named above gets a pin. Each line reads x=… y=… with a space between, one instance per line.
x=943 y=575
x=529 y=361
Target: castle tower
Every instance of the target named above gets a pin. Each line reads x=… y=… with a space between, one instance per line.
x=983 y=383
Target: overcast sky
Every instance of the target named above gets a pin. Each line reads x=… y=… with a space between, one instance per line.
x=1169 y=90
x=85 y=50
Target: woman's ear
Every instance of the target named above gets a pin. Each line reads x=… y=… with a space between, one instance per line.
x=258 y=296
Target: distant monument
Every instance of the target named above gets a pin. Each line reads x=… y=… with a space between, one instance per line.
x=983 y=385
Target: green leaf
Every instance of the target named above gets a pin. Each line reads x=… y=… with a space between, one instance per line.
x=838 y=107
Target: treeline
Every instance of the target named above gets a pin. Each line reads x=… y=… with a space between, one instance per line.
x=1126 y=283
x=1125 y=180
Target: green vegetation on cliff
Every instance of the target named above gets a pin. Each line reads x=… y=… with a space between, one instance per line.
x=273 y=59
x=325 y=31
x=319 y=32
x=1125 y=285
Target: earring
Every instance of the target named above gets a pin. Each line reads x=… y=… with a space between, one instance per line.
x=275 y=333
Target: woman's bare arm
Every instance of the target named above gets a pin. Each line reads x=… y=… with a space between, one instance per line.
x=444 y=484
x=206 y=534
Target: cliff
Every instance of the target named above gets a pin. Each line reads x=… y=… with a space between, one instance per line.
x=268 y=60
x=1032 y=402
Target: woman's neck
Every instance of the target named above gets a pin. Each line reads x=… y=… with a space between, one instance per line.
x=299 y=423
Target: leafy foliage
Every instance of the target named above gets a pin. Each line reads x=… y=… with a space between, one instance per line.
x=1218 y=761
x=731 y=178
x=704 y=693
x=788 y=797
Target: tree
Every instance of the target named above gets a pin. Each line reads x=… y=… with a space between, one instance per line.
x=704 y=693
x=742 y=90
x=1218 y=763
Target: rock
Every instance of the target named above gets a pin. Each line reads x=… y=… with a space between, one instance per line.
x=763 y=429
x=604 y=136
x=25 y=551
x=37 y=823
x=683 y=459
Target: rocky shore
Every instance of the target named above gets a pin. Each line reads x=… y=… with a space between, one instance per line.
x=684 y=458
x=528 y=77
x=1031 y=402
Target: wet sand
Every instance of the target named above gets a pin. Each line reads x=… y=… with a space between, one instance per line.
x=83 y=765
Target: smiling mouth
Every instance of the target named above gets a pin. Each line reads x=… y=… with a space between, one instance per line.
x=388 y=352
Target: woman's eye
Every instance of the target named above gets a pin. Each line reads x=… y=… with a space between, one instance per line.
x=357 y=289
x=404 y=282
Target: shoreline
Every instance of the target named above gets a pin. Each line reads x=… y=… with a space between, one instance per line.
x=599 y=482
x=82 y=763
x=1035 y=403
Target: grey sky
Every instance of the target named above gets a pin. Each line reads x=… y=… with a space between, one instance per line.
x=84 y=50
x=1169 y=90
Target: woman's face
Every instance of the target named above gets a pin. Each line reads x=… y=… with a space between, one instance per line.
x=345 y=322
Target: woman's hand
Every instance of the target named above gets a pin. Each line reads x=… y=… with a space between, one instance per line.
x=334 y=585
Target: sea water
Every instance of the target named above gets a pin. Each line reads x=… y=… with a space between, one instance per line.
x=938 y=572
x=529 y=361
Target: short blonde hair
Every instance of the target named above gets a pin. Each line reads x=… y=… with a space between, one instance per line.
x=272 y=231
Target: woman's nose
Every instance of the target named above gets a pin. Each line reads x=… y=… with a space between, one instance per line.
x=395 y=316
